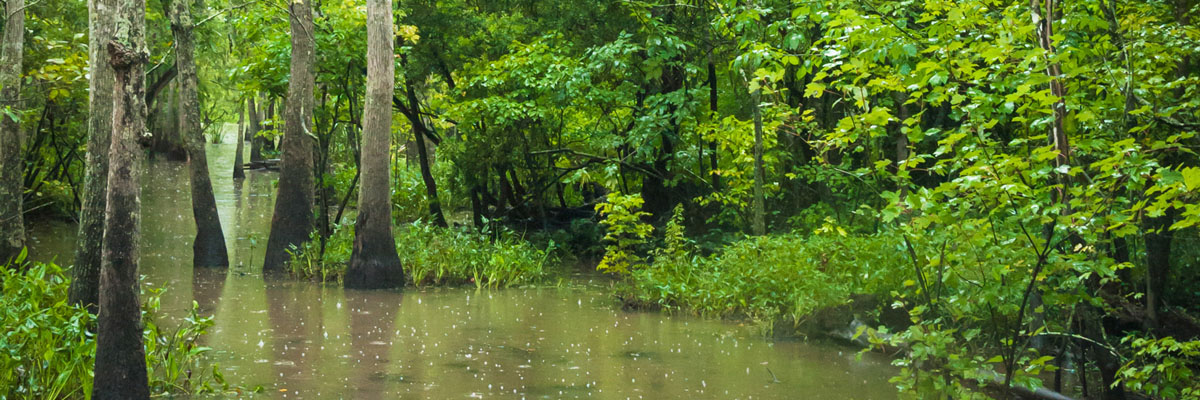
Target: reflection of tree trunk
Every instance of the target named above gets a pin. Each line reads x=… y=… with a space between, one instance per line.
x=372 y=318
x=207 y=286
x=296 y=340
x=208 y=249
x=238 y=173
x=373 y=259
x=12 y=226
x=120 y=371
x=85 y=276
x=293 y=219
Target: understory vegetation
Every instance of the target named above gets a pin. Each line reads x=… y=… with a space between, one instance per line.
x=433 y=256
x=49 y=350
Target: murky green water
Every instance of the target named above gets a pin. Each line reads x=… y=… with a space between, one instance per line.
x=301 y=340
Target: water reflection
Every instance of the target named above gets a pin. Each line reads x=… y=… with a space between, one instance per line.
x=300 y=340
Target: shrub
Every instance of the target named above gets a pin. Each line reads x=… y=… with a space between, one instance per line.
x=766 y=278
x=434 y=256
x=47 y=350
x=625 y=232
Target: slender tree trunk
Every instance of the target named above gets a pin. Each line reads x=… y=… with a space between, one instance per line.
x=254 y=119
x=293 y=219
x=1044 y=14
x=208 y=249
x=712 y=107
x=12 y=225
x=420 y=133
x=120 y=371
x=759 y=222
x=263 y=123
x=1158 y=239
x=901 y=99
x=374 y=263
x=238 y=172
x=85 y=276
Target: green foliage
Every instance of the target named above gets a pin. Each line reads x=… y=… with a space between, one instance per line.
x=49 y=352
x=769 y=278
x=1165 y=368
x=46 y=350
x=433 y=256
x=625 y=232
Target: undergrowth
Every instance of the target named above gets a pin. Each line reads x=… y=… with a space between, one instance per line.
x=48 y=352
x=433 y=256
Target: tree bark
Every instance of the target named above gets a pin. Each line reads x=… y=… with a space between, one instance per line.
x=258 y=124
x=85 y=276
x=759 y=223
x=208 y=249
x=901 y=99
x=420 y=133
x=254 y=121
x=238 y=172
x=12 y=225
x=293 y=219
x=1158 y=239
x=712 y=107
x=120 y=371
x=374 y=263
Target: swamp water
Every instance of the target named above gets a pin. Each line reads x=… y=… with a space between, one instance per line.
x=303 y=340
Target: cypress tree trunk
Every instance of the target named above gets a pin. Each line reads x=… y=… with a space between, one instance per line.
x=85 y=276
x=374 y=263
x=238 y=173
x=293 y=219
x=12 y=225
x=208 y=249
x=120 y=371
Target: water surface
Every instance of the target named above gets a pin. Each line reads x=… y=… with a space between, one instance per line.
x=302 y=340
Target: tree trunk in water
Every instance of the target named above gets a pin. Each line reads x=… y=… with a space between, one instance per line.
x=120 y=371
x=208 y=249
x=85 y=276
x=374 y=263
x=12 y=187
x=238 y=173
x=293 y=219
x=759 y=222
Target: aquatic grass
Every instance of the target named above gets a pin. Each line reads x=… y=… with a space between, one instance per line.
x=48 y=352
x=433 y=256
